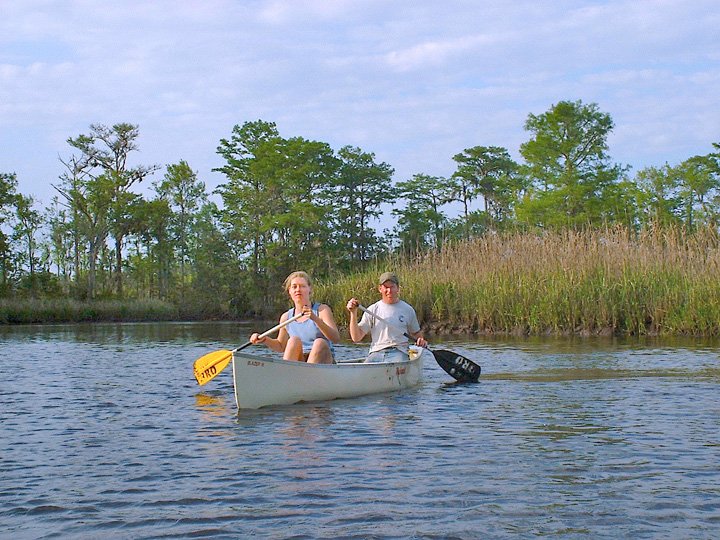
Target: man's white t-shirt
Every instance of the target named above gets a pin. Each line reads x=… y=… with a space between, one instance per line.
x=400 y=315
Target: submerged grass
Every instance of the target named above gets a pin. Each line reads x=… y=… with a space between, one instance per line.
x=597 y=282
x=26 y=311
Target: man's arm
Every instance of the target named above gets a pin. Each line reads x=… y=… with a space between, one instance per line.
x=356 y=333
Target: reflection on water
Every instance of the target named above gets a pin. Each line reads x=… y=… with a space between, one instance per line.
x=558 y=375
x=210 y=404
x=105 y=432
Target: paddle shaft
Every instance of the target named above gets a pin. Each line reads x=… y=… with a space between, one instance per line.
x=272 y=330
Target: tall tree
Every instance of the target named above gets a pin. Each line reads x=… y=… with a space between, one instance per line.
x=90 y=200
x=700 y=187
x=152 y=225
x=219 y=287
x=659 y=198
x=60 y=253
x=277 y=204
x=8 y=186
x=27 y=224
x=491 y=172
x=421 y=222
x=185 y=195
x=246 y=196
x=568 y=165
x=301 y=173
x=363 y=185
x=100 y=179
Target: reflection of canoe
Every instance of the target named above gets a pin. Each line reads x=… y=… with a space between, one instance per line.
x=262 y=380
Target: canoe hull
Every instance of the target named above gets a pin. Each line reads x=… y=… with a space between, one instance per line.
x=261 y=380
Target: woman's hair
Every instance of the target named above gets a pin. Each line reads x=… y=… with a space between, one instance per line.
x=298 y=274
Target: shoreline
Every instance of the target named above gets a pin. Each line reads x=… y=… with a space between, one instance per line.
x=433 y=329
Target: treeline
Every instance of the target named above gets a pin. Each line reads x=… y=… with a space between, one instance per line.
x=289 y=203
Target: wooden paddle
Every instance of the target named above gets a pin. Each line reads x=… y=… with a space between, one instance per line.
x=457 y=366
x=207 y=367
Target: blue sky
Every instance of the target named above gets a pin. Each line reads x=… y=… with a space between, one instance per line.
x=413 y=81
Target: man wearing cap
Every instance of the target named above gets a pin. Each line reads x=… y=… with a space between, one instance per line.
x=388 y=342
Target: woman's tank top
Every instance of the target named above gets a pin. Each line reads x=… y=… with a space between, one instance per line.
x=307 y=330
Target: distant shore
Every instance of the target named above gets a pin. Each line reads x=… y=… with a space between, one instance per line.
x=597 y=283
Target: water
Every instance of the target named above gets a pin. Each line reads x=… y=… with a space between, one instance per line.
x=105 y=433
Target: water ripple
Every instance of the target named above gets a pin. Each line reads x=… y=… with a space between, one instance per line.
x=109 y=436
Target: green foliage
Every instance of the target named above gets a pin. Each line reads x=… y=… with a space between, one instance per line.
x=568 y=168
x=294 y=203
x=27 y=224
x=490 y=172
x=362 y=186
x=183 y=195
x=66 y=310
x=658 y=196
x=8 y=185
x=421 y=223
x=39 y=284
x=95 y=188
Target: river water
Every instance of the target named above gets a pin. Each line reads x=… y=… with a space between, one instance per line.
x=106 y=433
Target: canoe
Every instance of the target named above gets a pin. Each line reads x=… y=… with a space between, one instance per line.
x=262 y=380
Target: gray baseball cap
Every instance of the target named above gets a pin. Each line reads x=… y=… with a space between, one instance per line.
x=389 y=276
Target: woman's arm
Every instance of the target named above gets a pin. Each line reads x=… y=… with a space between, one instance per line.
x=277 y=345
x=326 y=323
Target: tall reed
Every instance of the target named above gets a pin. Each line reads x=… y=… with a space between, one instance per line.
x=595 y=282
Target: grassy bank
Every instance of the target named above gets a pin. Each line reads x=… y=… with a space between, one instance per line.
x=63 y=310
x=609 y=282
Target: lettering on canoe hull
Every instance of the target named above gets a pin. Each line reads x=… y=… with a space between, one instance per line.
x=400 y=371
x=256 y=363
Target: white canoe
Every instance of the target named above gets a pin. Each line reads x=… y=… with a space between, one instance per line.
x=262 y=380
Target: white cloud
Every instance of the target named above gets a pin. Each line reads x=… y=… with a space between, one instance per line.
x=435 y=52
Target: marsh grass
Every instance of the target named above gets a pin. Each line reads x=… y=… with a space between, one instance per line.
x=600 y=282
x=25 y=311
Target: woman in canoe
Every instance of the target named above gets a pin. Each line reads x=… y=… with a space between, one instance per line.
x=309 y=338
x=389 y=342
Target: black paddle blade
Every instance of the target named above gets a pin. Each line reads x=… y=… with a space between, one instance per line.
x=458 y=367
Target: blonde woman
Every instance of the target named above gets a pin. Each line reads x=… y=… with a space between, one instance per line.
x=309 y=338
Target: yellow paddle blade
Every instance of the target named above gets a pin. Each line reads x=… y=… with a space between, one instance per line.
x=207 y=367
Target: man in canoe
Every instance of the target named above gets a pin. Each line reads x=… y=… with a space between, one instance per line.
x=395 y=318
x=309 y=338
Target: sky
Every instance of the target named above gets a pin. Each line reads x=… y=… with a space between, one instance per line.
x=414 y=82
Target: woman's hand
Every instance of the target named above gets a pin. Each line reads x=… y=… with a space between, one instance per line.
x=257 y=338
x=421 y=342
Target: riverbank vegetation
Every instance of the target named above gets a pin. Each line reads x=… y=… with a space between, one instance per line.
x=564 y=240
x=609 y=282
x=66 y=310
